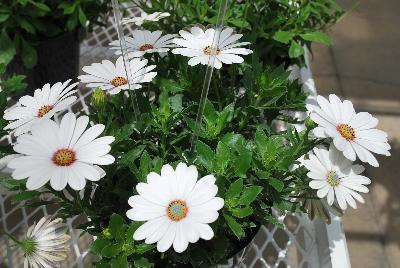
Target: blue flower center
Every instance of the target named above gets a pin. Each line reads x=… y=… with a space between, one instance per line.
x=177 y=210
x=333 y=178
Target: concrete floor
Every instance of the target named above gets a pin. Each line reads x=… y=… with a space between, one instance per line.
x=363 y=66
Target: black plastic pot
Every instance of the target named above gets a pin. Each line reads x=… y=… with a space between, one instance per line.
x=58 y=61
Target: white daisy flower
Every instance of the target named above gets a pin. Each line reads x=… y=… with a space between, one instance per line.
x=156 y=16
x=352 y=133
x=143 y=42
x=62 y=154
x=44 y=104
x=46 y=243
x=176 y=208
x=335 y=177
x=113 y=79
x=197 y=43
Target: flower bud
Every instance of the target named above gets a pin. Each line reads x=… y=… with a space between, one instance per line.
x=99 y=97
x=107 y=233
x=310 y=124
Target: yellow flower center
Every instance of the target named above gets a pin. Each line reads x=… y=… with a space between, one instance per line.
x=146 y=47
x=347 y=132
x=177 y=210
x=207 y=50
x=332 y=178
x=119 y=81
x=44 y=110
x=64 y=157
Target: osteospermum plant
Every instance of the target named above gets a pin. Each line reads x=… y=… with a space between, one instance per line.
x=166 y=186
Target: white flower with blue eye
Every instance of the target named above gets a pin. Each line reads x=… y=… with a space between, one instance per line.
x=176 y=208
x=144 y=42
x=197 y=44
x=45 y=102
x=335 y=177
x=63 y=154
x=354 y=134
x=113 y=77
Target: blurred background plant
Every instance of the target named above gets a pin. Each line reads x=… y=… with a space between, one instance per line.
x=45 y=32
x=279 y=29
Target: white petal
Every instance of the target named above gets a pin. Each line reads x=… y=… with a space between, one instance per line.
x=199 y=215
x=166 y=241
x=201 y=195
x=160 y=232
x=180 y=242
x=59 y=178
x=321 y=193
x=149 y=228
x=77 y=180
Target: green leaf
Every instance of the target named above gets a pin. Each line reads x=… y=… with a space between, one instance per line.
x=142 y=263
x=205 y=156
x=39 y=5
x=165 y=108
x=234 y=226
x=171 y=86
x=242 y=212
x=128 y=158
x=131 y=230
x=116 y=226
x=26 y=25
x=271 y=219
x=222 y=155
x=98 y=245
x=318 y=37
x=11 y=184
x=295 y=50
x=26 y=195
x=235 y=189
x=72 y=22
x=250 y=194
x=111 y=250
x=143 y=248
x=82 y=17
x=242 y=158
x=210 y=115
x=145 y=165
x=68 y=8
x=4 y=17
x=120 y=262
x=276 y=183
x=7 y=49
x=225 y=116
x=283 y=37
x=101 y=264
x=124 y=133
x=239 y=23
x=176 y=103
x=29 y=54
x=14 y=85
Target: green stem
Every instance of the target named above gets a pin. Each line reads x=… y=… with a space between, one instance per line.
x=11 y=237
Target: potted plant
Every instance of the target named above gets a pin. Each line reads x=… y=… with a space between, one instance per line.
x=40 y=39
x=168 y=184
